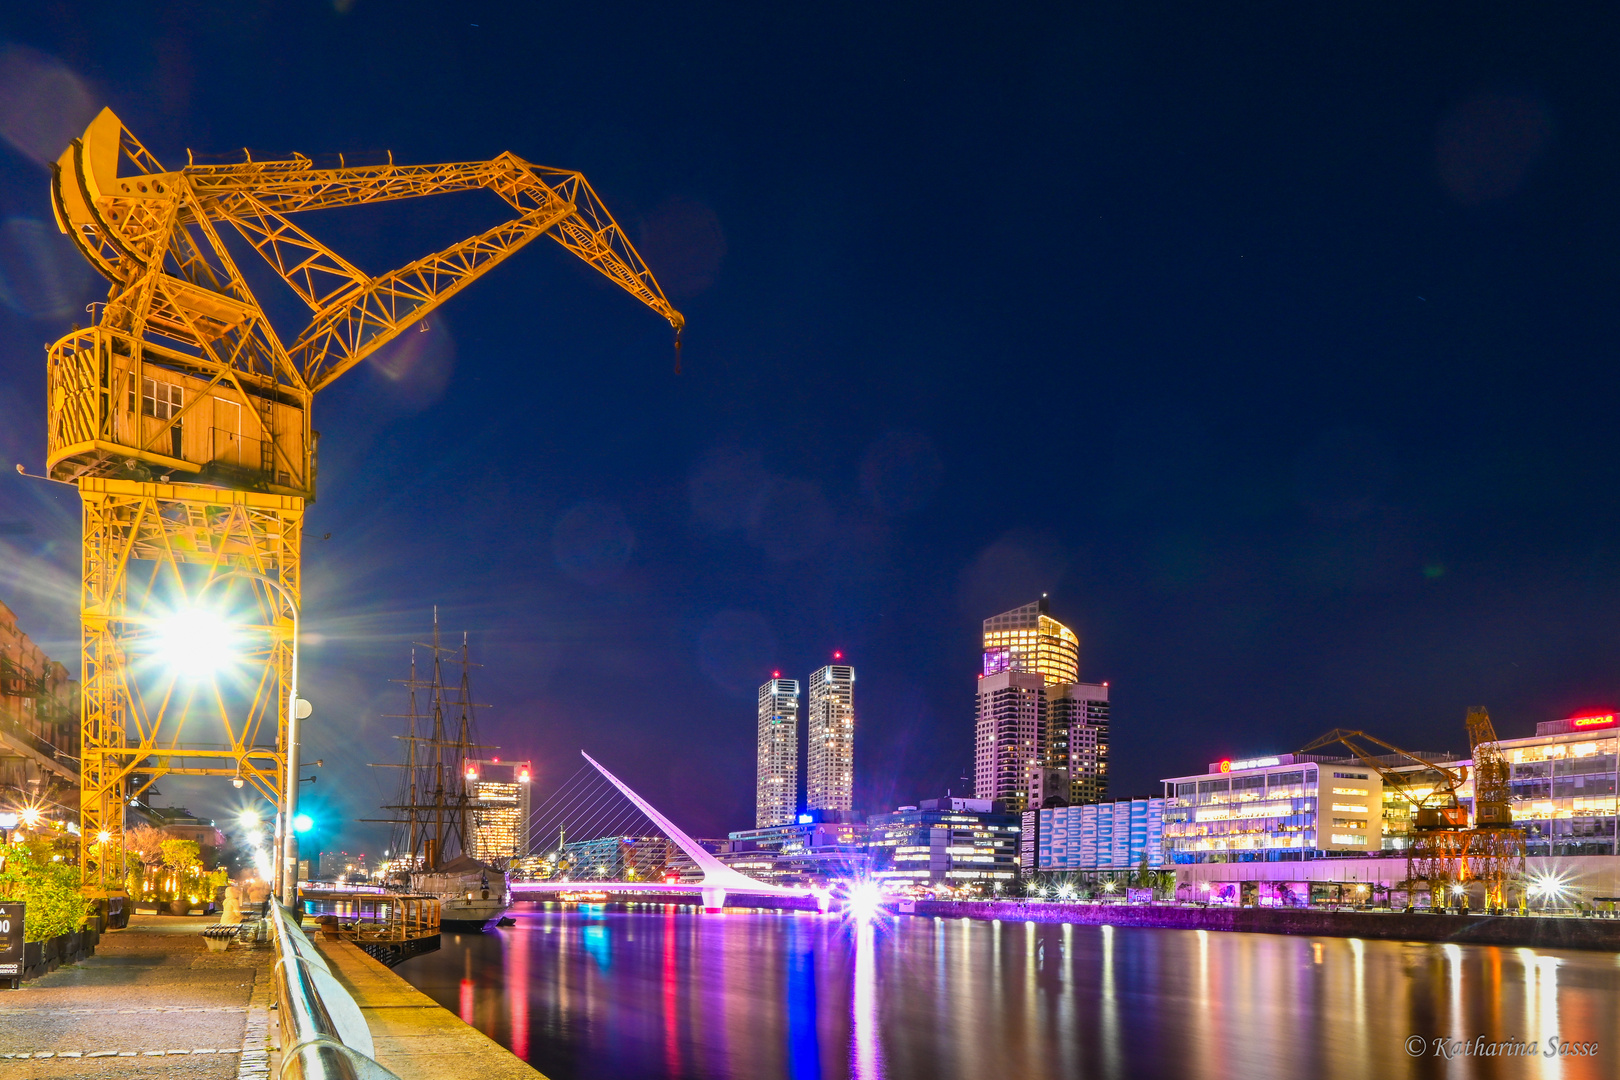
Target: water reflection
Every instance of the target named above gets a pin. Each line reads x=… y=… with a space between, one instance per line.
x=664 y=992
x=867 y=1059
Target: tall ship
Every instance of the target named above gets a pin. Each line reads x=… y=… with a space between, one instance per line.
x=435 y=816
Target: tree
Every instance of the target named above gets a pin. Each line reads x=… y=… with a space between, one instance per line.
x=181 y=856
x=146 y=844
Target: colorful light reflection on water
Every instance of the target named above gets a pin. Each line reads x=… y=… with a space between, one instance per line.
x=652 y=992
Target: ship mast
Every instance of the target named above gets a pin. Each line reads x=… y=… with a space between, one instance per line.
x=436 y=795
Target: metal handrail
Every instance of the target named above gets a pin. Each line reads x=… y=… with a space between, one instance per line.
x=323 y=1034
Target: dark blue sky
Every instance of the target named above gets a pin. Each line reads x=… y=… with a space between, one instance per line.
x=1276 y=343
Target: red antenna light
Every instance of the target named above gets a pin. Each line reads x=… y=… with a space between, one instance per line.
x=837 y=655
x=776 y=674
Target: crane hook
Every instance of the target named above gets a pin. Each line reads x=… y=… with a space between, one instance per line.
x=678 y=330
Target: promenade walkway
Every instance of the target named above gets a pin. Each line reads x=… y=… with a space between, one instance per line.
x=152 y=1002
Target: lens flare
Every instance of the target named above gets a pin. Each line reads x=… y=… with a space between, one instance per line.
x=865 y=901
x=194 y=643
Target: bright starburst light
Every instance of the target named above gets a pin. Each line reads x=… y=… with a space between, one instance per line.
x=194 y=642
x=865 y=901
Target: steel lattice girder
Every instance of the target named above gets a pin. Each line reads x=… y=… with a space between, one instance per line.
x=178 y=308
x=154 y=530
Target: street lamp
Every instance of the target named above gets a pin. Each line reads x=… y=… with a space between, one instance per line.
x=197 y=636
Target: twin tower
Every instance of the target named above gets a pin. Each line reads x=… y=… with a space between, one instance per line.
x=829 y=751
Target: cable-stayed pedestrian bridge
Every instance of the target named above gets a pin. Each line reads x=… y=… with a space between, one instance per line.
x=719 y=880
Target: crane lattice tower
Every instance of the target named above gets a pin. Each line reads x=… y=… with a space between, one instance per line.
x=184 y=417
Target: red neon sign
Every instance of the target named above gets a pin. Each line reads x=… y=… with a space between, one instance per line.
x=1226 y=765
x=1606 y=720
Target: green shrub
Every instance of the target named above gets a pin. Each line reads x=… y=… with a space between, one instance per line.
x=39 y=873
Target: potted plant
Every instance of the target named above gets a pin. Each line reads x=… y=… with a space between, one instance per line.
x=38 y=871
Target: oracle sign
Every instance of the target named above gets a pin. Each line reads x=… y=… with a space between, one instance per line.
x=1606 y=720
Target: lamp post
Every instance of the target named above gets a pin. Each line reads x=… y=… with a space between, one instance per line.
x=287 y=840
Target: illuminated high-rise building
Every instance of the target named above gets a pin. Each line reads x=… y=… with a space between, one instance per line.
x=830 y=748
x=500 y=814
x=1008 y=738
x=1031 y=699
x=1029 y=639
x=776 y=784
x=1077 y=738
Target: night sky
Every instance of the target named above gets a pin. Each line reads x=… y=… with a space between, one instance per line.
x=1275 y=342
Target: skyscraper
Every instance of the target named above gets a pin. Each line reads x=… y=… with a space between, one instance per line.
x=1029 y=639
x=1008 y=748
x=830 y=752
x=776 y=788
x=1031 y=676
x=501 y=810
x=1077 y=738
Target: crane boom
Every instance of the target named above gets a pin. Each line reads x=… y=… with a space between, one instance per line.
x=1401 y=782
x=131 y=222
x=183 y=414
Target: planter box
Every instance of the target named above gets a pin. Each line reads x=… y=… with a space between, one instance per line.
x=44 y=957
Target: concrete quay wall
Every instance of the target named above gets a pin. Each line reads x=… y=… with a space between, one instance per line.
x=415 y=1037
x=1531 y=931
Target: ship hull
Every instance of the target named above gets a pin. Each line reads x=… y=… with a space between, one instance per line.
x=476 y=915
x=469 y=900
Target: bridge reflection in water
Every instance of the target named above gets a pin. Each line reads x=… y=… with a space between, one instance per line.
x=644 y=991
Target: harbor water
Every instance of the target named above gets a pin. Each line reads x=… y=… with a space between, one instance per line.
x=631 y=992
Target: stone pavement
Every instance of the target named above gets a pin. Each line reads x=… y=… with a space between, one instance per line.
x=152 y=1002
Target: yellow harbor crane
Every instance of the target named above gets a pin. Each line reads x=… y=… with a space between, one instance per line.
x=1442 y=849
x=184 y=417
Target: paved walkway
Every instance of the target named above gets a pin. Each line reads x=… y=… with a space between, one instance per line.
x=152 y=1002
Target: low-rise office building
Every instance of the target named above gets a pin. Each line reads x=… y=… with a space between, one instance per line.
x=1563 y=783
x=1291 y=807
x=947 y=841
x=1096 y=837
x=818 y=847
x=615 y=858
